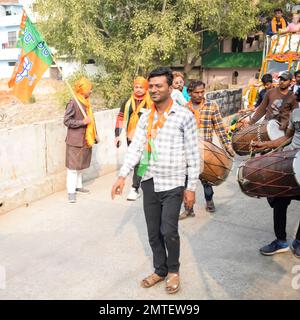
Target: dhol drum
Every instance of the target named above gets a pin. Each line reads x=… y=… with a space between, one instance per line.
x=217 y=164
x=263 y=131
x=274 y=174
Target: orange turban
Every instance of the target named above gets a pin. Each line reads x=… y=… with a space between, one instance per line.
x=141 y=81
x=83 y=86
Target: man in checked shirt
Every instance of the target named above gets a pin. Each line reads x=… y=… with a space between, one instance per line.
x=169 y=133
x=209 y=119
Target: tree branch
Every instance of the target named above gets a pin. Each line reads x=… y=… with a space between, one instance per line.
x=103 y=30
x=164 y=7
x=205 y=51
x=201 y=31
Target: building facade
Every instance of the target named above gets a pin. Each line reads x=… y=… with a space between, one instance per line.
x=10 y=18
x=232 y=62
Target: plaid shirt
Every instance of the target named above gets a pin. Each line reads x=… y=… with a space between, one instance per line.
x=210 y=121
x=177 y=150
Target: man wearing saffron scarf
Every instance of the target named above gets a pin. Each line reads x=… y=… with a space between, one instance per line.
x=127 y=118
x=166 y=144
x=80 y=138
x=278 y=22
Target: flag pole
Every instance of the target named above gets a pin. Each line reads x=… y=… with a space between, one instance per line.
x=69 y=86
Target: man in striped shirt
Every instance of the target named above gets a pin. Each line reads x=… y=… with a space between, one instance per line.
x=169 y=134
x=209 y=119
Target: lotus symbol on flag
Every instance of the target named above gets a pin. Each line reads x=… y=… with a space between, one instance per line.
x=27 y=65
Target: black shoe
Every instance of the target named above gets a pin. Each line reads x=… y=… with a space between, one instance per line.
x=82 y=190
x=295 y=247
x=274 y=247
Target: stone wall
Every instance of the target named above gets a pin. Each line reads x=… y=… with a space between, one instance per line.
x=229 y=101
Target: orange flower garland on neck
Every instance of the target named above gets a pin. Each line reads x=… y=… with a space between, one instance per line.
x=275 y=23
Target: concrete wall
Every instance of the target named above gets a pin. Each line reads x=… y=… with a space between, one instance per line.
x=32 y=157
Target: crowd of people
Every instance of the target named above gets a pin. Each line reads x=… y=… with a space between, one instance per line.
x=164 y=125
x=164 y=122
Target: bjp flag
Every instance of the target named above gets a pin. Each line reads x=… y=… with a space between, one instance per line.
x=34 y=59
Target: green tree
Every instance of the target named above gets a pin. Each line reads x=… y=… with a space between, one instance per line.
x=266 y=7
x=130 y=37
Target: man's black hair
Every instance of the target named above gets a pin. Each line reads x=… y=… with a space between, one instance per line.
x=194 y=84
x=297 y=94
x=296 y=73
x=266 y=78
x=162 y=71
x=278 y=10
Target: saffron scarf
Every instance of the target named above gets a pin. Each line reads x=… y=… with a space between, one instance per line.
x=196 y=112
x=151 y=135
x=82 y=87
x=275 y=23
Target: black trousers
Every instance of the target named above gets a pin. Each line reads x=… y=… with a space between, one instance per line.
x=280 y=205
x=161 y=213
x=136 y=180
x=208 y=190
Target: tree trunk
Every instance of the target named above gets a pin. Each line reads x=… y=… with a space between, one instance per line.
x=188 y=66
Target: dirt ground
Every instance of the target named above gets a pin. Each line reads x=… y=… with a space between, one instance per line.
x=48 y=104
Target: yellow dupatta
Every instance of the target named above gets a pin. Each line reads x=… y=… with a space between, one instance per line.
x=82 y=87
x=131 y=122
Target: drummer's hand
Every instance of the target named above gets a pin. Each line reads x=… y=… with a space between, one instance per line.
x=189 y=198
x=259 y=146
x=118 y=187
x=245 y=123
x=230 y=150
x=117 y=142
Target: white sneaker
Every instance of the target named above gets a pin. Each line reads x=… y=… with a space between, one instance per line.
x=133 y=195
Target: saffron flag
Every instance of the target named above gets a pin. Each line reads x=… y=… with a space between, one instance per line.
x=34 y=59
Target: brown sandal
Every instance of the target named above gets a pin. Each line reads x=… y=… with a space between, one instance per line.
x=172 y=283
x=185 y=214
x=151 y=280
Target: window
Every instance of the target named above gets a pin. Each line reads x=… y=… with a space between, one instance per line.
x=11 y=63
x=235 y=75
x=12 y=39
x=90 y=61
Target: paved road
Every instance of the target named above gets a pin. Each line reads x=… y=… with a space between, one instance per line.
x=98 y=249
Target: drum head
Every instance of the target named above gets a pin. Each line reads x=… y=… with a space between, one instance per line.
x=273 y=130
x=296 y=167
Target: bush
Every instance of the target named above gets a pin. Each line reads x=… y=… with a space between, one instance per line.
x=64 y=95
x=114 y=88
